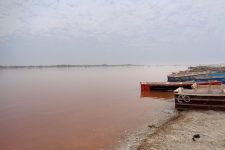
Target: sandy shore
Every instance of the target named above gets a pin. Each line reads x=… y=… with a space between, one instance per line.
x=174 y=130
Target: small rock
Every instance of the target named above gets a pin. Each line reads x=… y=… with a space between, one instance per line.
x=168 y=111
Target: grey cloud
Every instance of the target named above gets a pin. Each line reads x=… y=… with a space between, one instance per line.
x=144 y=25
x=101 y=17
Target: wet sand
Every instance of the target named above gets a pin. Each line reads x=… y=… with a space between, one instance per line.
x=175 y=130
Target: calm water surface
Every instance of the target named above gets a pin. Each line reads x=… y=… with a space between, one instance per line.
x=76 y=108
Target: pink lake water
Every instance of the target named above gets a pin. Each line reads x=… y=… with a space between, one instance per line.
x=76 y=108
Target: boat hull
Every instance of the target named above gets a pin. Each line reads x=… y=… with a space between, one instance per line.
x=221 y=79
x=181 y=78
x=200 y=101
x=193 y=77
x=163 y=86
x=170 y=86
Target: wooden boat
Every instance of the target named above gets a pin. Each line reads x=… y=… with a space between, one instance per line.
x=157 y=95
x=210 y=78
x=170 y=86
x=208 y=97
x=164 y=86
x=217 y=74
x=183 y=76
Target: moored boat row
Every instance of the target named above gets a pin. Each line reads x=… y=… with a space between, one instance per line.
x=198 y=71
x=201 y=90
x=199 y=95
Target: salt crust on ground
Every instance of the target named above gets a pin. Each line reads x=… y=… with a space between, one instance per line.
x=172 y=130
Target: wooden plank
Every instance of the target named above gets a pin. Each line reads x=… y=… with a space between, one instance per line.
x=203 y=102
x=199 y=99
x=203 y=107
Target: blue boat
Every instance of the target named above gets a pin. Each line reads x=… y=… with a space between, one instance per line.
x=182 y=77
x=217 y=74
x=210 y=78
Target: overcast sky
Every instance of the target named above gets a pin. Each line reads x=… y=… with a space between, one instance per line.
x=46 y=32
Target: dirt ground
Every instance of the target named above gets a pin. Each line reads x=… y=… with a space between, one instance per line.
x=177 y=133
x=175 y=130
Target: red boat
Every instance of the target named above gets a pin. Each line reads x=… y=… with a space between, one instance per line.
x=171 y=86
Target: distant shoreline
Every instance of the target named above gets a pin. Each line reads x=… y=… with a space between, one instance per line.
x=53 y=66
x=103 y=65
x=111 y=65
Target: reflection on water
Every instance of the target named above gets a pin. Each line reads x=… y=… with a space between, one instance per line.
x=74 y=108
x=157 y=95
